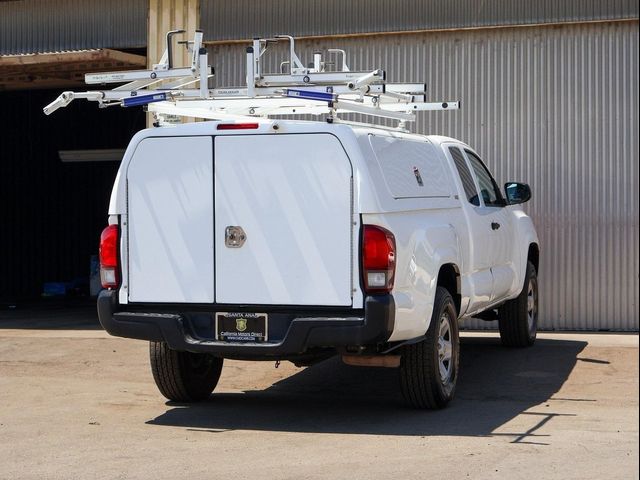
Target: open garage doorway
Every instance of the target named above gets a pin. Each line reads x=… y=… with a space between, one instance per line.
x=56 y=175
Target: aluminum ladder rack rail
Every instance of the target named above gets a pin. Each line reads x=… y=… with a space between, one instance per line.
x=215 y=109
x=328 y=88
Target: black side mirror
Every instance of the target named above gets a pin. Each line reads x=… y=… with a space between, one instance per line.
x=517 y=192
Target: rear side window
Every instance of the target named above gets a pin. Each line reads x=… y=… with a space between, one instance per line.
x=411 y=168
x=488 y=187
x=465 y=175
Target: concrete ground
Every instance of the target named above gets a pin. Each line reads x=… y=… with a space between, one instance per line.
x=76 y=403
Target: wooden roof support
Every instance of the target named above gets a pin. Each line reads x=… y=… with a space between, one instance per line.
x=61 y=69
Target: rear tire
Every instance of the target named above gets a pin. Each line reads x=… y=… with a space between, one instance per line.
x=184 y=376
x=518 y=318
x=429 y=369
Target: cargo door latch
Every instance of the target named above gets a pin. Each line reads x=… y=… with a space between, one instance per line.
x=234 y=236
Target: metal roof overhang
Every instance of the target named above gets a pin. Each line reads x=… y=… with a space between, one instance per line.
x=61 y=69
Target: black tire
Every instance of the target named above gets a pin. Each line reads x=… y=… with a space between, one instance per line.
x=422 y=384
x=184 y=376
x=518 y=318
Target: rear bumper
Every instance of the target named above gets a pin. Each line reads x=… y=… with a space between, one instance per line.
x=291 y=333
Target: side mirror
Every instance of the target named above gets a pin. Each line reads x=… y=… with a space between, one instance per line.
x=517 y=193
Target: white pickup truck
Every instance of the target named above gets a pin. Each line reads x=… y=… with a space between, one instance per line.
x=291 y=240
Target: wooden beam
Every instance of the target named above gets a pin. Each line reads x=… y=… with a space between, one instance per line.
x=72 y=57
x=165 y=15
x=61 y=69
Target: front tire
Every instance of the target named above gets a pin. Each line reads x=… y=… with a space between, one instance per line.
x=429 y=369
x=184 y=376
x=518 y=318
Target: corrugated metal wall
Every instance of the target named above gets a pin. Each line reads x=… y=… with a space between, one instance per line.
x=30 y=26
x=241 y=19
x=556 y=107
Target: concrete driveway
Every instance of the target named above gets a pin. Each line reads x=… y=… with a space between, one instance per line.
x=76 y=403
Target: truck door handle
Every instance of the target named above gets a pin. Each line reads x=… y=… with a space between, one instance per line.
x=495 y=225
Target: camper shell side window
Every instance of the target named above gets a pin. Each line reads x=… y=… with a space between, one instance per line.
x=411 y=168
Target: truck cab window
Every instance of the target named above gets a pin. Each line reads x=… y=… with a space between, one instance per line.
x=488 y=187
x=465 y=175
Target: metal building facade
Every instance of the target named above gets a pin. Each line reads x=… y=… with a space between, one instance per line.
x=30 y=26
x=553 y=106
x=549 y=94
x=242 y=19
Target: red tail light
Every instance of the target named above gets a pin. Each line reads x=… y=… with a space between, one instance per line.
x=109 y=275
x=237 y=126
x=378 y=259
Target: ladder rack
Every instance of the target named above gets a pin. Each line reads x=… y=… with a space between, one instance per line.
x=295 y=90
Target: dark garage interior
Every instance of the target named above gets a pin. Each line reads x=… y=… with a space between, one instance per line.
x=54 y=211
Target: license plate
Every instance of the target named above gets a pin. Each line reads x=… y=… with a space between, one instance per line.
x=241 y=327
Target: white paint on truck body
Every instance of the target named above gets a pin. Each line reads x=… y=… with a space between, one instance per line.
x=294 y=203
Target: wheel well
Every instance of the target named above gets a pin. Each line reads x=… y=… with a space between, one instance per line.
x=449 y=278
x=534 y=255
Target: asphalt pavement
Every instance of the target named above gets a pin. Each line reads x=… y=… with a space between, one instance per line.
x=77 y=403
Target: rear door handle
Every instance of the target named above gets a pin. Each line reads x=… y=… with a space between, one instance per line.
x=495 y=225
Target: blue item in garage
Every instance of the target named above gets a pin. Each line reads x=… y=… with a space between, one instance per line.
x=54 y=289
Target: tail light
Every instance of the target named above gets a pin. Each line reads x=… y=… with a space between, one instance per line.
x=378 y=259
x=237 y=126
x=109 y=272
